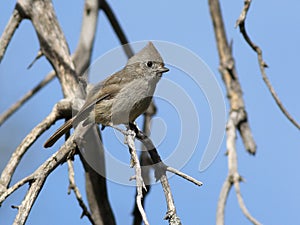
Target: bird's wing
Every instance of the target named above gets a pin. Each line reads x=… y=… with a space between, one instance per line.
x=97 y=96
x=104 y=90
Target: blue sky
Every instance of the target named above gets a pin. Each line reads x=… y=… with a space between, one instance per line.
x=271 y=190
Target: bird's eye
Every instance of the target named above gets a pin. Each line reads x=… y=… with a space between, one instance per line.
x=149 y=63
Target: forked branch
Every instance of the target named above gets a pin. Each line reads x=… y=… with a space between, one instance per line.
x=160 y=173
x=238 y=119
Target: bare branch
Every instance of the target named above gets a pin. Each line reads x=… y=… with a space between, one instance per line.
x=242 y=204
x=36 y=181
x=95 y=183
x=39 y=55
x=15 y=187
x=238 y=119
x=145 y=163
x=38 y=178
x=9 y=31
x=220 y=215
x=230 y=77
x=262 y=65
x=160 y=173
x=171 y=214
x=183 y=175
x=16 y=157
x=83 y=53
x=26 y=97
x=81 y=56
x=138 y=175
x=54 y=47
x=73 y=186
x=52 y=43
x=159 y=166
x=233 y=177
x=96 y=189
x=232 y=168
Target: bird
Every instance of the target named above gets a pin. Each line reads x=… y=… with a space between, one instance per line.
x=121 y=97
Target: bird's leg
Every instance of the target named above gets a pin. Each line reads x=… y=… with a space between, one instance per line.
x=124 y=132
x=133 y=126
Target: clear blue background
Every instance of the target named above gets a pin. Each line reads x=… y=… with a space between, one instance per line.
x=271 y=191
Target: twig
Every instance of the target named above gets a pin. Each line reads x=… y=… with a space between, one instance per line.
x=9 y=31
x=138 y=175
x=39 y=55
x=220 y=215
x=242 y=204
x=73 y=186
x=233 y=177
x=5 y=194
x=159 y=166
x=184 y=176
x=262 y=65
x=232 y=168
x=171 y=214
x=26 y=97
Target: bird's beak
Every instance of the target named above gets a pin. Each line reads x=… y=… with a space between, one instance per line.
x=163 y=69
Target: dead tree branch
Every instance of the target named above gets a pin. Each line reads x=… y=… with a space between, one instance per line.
x=262 y=65
x=52 y=43
x=9 y=31
x=237 y=121
x=36 y=181
x=230 y=77
x=73 y=186
x=59 y=109
x=145 y=163
x=95 y=183
x=71 y=72
x=171 y=214
x=96 y=189
x=160 y=173
x=233 y=178
x=140 y=185
x=184 y=176
x=54 y=47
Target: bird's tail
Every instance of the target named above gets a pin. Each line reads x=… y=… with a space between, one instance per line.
x=60 y=132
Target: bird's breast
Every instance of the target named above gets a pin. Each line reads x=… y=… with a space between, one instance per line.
x=132 y=100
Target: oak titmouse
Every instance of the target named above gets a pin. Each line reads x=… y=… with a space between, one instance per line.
x=123 y=96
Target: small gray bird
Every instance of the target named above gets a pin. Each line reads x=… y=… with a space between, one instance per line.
x=123 y=96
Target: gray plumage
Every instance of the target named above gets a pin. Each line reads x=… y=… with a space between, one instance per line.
x=123 y=96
